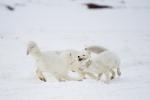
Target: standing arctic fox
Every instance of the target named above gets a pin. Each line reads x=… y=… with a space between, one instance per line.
x=104 y=62
x=53 y=62
x=57 y=63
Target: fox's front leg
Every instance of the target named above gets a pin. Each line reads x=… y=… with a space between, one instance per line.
x=91 y=75
x=82 y=74
x=40 y=75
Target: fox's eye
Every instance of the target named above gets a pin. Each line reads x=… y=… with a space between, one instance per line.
x=83 y=55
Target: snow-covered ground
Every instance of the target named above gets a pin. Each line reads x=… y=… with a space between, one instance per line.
x=66 y=24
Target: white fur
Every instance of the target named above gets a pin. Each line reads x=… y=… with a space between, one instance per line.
x=104 y=63
x=58 y=63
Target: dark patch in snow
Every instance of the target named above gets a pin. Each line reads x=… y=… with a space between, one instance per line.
x=10 y=8
x=122 y=2
x=97 y=6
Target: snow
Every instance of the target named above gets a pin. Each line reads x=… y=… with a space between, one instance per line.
x=68 y=24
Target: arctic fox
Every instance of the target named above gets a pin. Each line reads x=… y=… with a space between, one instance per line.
x=104 y=62
x=57 y=63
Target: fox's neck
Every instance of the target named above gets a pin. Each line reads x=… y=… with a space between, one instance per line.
x=37 y=55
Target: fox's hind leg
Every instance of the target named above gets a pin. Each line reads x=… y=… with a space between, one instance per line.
x=118 y=71
x=112 y=74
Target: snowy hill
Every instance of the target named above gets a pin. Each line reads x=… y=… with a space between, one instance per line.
x=63 y=24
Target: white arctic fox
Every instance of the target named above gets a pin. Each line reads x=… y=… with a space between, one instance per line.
x=57 y=63
x=104 y=62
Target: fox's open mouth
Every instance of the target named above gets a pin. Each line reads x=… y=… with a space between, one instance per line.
x=80 y=59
